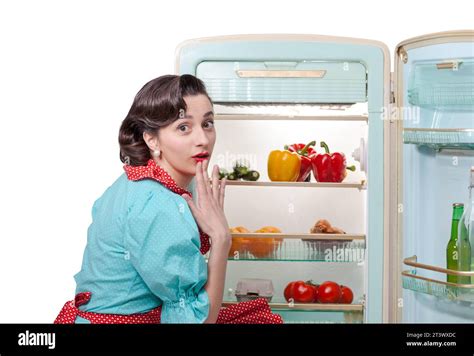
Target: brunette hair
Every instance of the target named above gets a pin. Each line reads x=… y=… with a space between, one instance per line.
x=158 y=104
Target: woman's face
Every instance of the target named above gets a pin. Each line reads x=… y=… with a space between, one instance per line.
x=193 y=133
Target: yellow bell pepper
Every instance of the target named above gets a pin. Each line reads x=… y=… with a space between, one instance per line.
x=284 y=166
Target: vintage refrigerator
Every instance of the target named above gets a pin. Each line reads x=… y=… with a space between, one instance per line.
x=410 y=134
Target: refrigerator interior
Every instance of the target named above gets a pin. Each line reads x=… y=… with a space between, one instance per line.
x=295 y=209
x=436 y=167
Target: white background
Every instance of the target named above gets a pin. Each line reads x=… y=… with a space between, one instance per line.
x=68 y=73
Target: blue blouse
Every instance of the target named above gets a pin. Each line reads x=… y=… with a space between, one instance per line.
x=142 y=252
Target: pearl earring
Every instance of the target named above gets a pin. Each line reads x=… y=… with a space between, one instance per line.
x=156 y=153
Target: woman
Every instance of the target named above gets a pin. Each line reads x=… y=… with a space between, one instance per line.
x=144 y=261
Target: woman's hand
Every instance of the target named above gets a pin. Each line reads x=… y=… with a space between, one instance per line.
x=209 y=215
x=209 y=209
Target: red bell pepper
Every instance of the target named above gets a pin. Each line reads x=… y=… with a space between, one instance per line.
x=330 y=167
x=305 y=152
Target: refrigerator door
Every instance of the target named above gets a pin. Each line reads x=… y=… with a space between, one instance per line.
x=272 y=90
x=433 y=121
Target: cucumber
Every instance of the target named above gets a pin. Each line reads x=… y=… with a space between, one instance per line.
x=232 y=176
x=251 y=176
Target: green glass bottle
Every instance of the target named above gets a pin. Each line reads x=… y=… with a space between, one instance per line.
x=466 y=225
x=458 y=251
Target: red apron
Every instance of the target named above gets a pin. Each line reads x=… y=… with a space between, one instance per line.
x=253 y=312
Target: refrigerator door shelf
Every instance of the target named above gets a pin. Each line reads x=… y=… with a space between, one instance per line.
x=440 y=138
x=444 y=84
x=444 y=290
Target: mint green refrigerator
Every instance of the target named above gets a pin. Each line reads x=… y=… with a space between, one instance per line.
x=396 y=128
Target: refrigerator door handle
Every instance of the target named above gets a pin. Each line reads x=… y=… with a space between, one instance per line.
x=453 y=65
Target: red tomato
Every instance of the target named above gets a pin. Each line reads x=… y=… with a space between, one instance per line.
x=329 y=292
x=300 y=292
x=346 y=295
x=315 y=288
x=288 y=293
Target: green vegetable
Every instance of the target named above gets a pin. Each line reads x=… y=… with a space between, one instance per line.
x=232 y=176
x=241 y=169
x=223 y=173
x=251 y=176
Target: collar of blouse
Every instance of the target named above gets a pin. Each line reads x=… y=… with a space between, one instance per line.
x=156 y=172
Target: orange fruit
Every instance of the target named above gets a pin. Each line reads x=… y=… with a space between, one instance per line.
x=264 y=247
x=239 y=244
x=269 y=230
